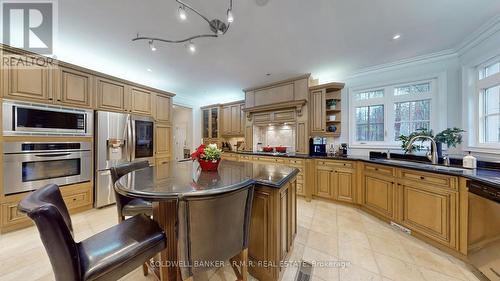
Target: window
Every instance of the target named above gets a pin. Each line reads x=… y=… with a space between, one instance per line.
x=489 y=103
x=381 y=115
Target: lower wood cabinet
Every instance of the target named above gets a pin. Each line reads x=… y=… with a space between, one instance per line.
x=345 y=187
x=78 y=197
x=430 y=211
x=163 y=140
x=324 y=183
x=162 y=168
x=333 y=181
x=379 y=194
x=272 y=230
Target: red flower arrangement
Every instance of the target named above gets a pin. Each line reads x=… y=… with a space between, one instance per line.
x=207 y=156
x=199 y=153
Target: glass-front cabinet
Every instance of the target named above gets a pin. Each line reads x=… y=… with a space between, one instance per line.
x=210 y=123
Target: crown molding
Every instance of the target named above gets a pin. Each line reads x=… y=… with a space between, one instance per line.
x=446 y=54
x=484 y=32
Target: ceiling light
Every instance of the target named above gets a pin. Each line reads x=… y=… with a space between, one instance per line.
x=149 y=70
x=192 y=47
x=182 y=13
x=152 y=46
x=230 y=17
x=396 y=36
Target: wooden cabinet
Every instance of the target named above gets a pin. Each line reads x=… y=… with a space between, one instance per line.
x=249 y=138
x=78 y=197
x=379 y=195
x=324 y=183
x=344 y=190
x=273 y=227
x=111 y=95
x=33 y=83
x=163 y=140
x=335 y=180
x=163 y=108
x=232 y=119
x=140 y=101
x=210 y=122
x=162 y=168
x=74 y=88
x=317 y=109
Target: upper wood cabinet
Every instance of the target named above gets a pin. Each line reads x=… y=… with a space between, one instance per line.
x=163 y=108
x=233 y=119
x=141 y=101
x=74 y=88
x=325 y=109
x=163 y=140
x=210 y=122
x=33 y=83
x=317 y=109
x=111 y=95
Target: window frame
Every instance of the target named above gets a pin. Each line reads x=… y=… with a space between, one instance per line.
x=480 y=90
x=388 y=101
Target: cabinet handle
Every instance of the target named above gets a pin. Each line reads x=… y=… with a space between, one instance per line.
x=51 y=99
x=163 y=163
x=422 y=178
x=392 y=182
x=376 y=169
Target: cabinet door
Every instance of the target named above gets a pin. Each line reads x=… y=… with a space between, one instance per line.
x=141 y=101
x=318 y=111
x=226 y=120
x=163 y=140
x=379 y=196
x=235 y=119
x=242 y=120
x=32 y=83
x=430 y=212
x=163 y=108
x=205 y=120
x=324 y=183
x=249 y=138
x=111 y=95
x=214 y=122
x=344 y=187
x=284 y=223
x=75 y=88
x=162 y=168
x=301 y=138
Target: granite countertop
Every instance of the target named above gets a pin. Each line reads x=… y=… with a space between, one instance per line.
x=483 y=175
x=186 y=179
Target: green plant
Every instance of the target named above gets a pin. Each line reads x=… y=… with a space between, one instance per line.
x=415 y=147
x=331 y=103
x=452 y=137
x=212 y=153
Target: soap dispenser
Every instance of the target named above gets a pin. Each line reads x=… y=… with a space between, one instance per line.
x=470 y=161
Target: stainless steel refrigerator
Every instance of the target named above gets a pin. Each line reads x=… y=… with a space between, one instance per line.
x=119 y=138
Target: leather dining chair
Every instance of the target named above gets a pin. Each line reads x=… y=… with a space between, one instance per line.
x=108 y=255
x=214 y=228
x=127 y=206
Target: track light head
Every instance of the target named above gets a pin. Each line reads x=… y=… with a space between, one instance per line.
x=152 y=46
x=182 y=13
x=230 y=17
x=191 y=47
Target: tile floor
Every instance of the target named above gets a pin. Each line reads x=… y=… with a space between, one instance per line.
x=364 y=248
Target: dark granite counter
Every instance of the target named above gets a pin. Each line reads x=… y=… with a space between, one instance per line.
x=186 y=179
x=487 y=176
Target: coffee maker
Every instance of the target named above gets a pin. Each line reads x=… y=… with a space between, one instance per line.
x=317 y=146
x=343 y=149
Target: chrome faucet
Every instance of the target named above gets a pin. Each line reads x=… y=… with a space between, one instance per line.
x=433 y=156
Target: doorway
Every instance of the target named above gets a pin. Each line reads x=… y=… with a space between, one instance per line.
x=183 y=132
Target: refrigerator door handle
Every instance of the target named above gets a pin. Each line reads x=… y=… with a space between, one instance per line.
x=132 y=125
x=129 y=138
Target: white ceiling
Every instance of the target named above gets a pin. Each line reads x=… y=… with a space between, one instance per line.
x=328 y=38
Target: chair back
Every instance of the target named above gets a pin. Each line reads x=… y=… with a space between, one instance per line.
x=47 y=209
x=119 y=171
x=213 y=228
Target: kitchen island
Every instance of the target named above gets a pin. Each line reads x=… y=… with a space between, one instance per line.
x=274 y=213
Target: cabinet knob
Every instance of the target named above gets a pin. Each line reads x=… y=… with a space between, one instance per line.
x=422 y=178
x=376 y=169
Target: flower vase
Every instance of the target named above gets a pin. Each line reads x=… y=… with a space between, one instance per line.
x=209 y=165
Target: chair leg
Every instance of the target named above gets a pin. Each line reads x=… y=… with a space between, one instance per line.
x=145 y=269
x=121 y=218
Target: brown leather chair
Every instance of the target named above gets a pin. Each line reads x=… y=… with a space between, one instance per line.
x=127 y=206
x=108 y=255
x=214 y=228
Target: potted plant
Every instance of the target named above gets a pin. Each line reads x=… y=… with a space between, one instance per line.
x=332 y=104
x=415 y=147
x=451 y=137
x=208 y=156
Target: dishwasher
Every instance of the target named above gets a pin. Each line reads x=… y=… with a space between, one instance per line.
x=484 y=229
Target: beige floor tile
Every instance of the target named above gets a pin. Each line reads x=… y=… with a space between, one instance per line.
x=356 y=273
x=326 y=243
x=302 y=234
x=326 y=215
x=358 y=256
x=396 y=269
x=430 y=260
x=323 y=265
x=324 y=226
x=431 y=275
x=350 y=236
x=389 y=247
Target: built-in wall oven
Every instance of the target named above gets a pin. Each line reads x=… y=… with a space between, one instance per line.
x=30 y=165
x=22 y=118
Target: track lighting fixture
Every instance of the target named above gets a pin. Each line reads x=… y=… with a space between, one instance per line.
x=182 y=13
x=152 y=46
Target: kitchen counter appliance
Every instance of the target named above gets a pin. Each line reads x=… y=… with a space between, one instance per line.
x=31 y=165
x=484 y=229
x=119 y=138
x=317 y=146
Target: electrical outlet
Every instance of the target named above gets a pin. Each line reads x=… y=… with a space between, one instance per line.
x=400 y=228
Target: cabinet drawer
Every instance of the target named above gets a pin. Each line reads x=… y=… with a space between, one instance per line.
x=77 y=200
x=10 y=214
x=296 y=161
x=268 y=159
x=288 y=115
x=335 y=164
x=261 y=117
x=429 y=178
x=380 y=169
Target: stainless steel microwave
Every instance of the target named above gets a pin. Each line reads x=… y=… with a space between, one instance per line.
x=20 y=118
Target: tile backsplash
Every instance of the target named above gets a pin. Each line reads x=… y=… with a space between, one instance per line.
x=276 y=135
